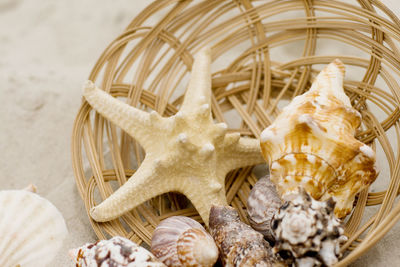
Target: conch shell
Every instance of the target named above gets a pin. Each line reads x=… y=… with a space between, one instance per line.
x=311 y=144
x=181 y=241
x=306 y=231
x=115 y=252
x=238 y=243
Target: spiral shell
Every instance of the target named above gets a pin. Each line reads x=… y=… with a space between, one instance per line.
x=262 y=204
x=311 y=144
x=181 y=241
x=32 y=230
x=115 y=252
x=307 y=231
x=238 y=243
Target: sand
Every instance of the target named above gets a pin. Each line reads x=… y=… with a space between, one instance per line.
x=46 y=52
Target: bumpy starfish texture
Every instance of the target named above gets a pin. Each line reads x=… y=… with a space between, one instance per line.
x=186 y=153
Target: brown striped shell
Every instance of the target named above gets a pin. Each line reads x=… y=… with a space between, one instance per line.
x=311 y=144
x=181 y=241
x=262 y=204
x=238 y=243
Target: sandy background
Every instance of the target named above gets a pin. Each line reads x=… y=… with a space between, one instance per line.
x=47 y=49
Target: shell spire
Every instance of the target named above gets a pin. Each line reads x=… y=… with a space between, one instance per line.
x=311 y=144
x=307 y=232
x=238 y=243
x=304 y=231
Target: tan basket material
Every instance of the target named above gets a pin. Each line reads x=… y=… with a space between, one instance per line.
x=264 y=54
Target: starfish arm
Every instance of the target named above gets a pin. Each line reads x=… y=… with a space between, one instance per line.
x=204 y=197
x=147 y=182
x=240 y=152
x=198 y=94
x=137 y=123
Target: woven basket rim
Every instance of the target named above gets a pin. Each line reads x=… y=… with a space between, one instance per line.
x=252 y=84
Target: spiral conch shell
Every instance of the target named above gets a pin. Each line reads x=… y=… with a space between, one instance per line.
x=181 y=241
x=306 y=231
x=238 y=243
x=311 y=144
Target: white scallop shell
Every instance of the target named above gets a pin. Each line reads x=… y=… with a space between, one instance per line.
x=31 y=229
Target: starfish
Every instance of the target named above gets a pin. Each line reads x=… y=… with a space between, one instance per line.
x=186 y=153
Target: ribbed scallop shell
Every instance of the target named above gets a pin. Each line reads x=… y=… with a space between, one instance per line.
x=31 y=229
x=238 y=243
x=181 y=241
x=311 y=144
x=262 y=204
x=115 y=252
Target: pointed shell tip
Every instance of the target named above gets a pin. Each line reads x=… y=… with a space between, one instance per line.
x=31 y=188
x=339 y=64
x=266 y=135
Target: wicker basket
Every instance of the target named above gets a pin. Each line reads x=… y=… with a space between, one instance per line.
x=264 y=53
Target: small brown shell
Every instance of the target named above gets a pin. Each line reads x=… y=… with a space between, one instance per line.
x=115 y=252
x=238 y=243
x=181 y=241
x=262 y=204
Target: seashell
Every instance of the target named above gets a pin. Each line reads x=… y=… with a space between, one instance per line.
x=115 y=252
x=307 y=232
x=262 y=204
x=311 y=144
x=181 y=241
x=239 y=245
x=32 y=230
x=31 y=188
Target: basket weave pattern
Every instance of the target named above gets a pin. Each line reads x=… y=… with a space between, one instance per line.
x=148 y=66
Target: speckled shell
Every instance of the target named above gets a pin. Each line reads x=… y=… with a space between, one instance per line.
x=306 y=231
x=32 y=230
x=262 y=204
x=238 y=243
x=181 y=241
x=115 y=252
x=311 y=144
